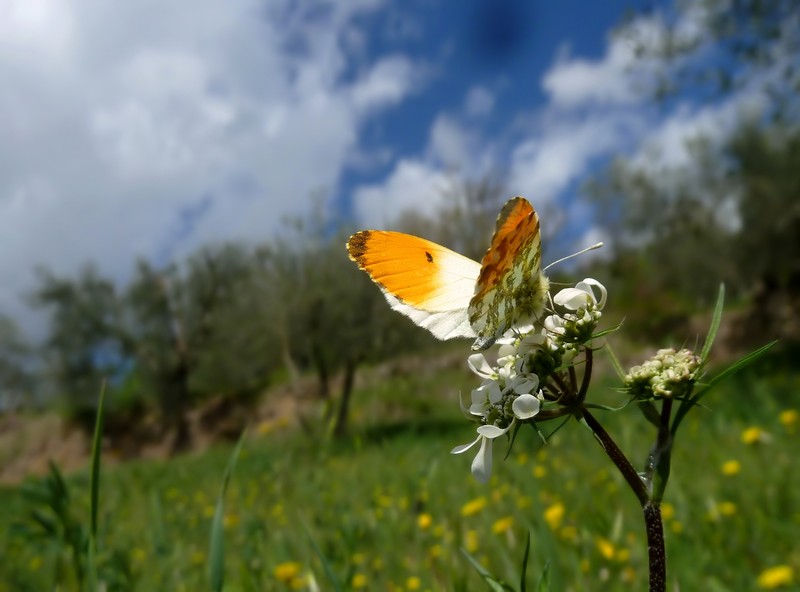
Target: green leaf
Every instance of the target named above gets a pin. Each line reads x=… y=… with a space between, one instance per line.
x=650 y=412
x=492 y=581
x=716 y=318
x=729 y=371
x=544 y=581
x=615 y=361
x=94 y=479
x=216 y=552
x=97 y=448
x=326 y=565
x=522 y=585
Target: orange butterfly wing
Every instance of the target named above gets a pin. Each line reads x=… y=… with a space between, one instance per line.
x=511 y=287
x=425 y=281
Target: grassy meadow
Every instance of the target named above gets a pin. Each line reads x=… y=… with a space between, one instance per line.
x=391 y=509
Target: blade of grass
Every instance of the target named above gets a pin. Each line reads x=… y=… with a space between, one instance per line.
x=216 y=551
x=715 y=321
x=326 y=566
x=544 y=581
x=716 y=318
x=490 y=580
x=522 y=585
x=94 y=480
x=614 y=361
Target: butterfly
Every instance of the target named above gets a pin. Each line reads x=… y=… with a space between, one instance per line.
x=451 y=295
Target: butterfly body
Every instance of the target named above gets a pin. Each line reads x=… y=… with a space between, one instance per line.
x=452 y=295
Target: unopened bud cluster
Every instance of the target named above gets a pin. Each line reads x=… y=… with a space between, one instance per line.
x=667 y=374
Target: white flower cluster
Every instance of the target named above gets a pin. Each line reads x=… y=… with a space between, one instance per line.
x=510 y=390
x=669 y=373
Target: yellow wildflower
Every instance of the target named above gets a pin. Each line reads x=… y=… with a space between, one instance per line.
x=473 y=507
x=230 y=520
x=503 y=524
x=287 y=571
x=424 y=521
x=628 y=575
x=554 y=515
x=359 y=581
x=471 y=542
x=731 y=467
x=622 y=555
x=569 y=533
x=753 y=435
x=539 y=471
x=676 y=526
x=606 y=548
x=789 y=418
x=775 y=577
x=413 y=583
x=667 y=511
x=435 y=551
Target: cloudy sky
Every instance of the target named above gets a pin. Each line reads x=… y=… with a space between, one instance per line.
x=148 y=128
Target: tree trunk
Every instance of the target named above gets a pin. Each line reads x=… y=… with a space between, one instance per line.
x=340 y=428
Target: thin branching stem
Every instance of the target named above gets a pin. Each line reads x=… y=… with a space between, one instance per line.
x=618 y=458
x=651 y=510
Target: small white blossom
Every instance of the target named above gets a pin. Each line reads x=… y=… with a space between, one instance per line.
x=509 y=390
x=507 y=394
x=582 y=295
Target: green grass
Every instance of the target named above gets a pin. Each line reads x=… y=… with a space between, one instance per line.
x=386 y=508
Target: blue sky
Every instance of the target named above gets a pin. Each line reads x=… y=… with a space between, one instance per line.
x=150 y=128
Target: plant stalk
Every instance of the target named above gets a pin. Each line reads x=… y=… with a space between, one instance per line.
x=651 y=509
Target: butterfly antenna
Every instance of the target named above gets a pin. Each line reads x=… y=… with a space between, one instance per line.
x=587 y=249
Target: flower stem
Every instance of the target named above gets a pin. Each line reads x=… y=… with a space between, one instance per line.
x=655 y=546
x=650 y=509
x=618 y=458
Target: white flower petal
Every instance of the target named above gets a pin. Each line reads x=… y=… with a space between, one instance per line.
x=478 y=364
x=477 y=409
x=525 y=406
x=589 y=284
x=463 y=403
x=507 y=350
x=554 y=324
x=492 y=431
x=464 y=447
x=527 y=385
x=494 y=393
x=482 y=465
x=573 y=298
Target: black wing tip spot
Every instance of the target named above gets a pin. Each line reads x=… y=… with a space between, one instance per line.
x=357 y=245
x=429 y=257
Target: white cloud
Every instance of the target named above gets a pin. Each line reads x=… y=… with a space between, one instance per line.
x=118 y=119
x=450 y=144
x=572 y=82
x=668 y=144
x=479 y=101
x=388 y=81
x=622 y=76
x=413 y=186
x=559 y=153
